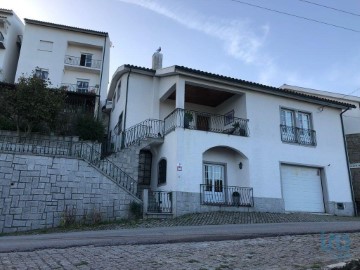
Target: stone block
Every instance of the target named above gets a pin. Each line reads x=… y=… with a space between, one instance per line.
x=8 y=221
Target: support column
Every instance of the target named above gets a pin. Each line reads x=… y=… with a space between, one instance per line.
x=180 y=94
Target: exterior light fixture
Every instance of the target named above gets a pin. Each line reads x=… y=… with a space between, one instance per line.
x=240 y=165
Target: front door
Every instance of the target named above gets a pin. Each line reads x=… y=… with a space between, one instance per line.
x=214 y=181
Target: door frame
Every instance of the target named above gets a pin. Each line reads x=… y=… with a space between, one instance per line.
x=224 y=165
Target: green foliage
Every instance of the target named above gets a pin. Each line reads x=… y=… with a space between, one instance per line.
x=88 y=128
x=136 y=209
x=32 y=103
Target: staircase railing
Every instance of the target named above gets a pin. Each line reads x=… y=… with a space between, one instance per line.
x=83 y=150
x=105 y=165
x=150 y=128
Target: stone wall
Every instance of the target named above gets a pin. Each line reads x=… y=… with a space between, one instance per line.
x=35 y=192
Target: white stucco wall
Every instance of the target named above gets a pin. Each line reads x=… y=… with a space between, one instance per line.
x=10 y=55
x=63 y=44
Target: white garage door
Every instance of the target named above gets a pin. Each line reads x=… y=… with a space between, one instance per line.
x=302 y=190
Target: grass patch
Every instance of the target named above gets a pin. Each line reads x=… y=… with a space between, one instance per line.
x=81 y=263
x=193 y=261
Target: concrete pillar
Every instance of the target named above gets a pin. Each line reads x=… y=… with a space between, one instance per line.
x=180 y=94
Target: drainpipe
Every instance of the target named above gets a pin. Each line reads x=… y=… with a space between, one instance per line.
x=101 y=75
x=126 y=101
x=347 y=159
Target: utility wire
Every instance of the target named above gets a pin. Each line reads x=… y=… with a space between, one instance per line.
x=297 y=16
x=336 y=9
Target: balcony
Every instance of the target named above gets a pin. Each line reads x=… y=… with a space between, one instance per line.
x=219 y=194
x=77 y=89
x=206 y=122
x=85 y=64
x=297 y=135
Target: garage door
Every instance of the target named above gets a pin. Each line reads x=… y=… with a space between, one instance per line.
x=302 y=190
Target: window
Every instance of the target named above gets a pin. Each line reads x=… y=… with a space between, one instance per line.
x=41 y=73
x=86 y=59
x=1 y=37
x=119 y=125
x=162 y=172
x=82 y=86
x=45 y=46
x=118 y=90
x=296 y=127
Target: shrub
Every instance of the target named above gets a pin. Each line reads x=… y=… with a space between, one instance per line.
x=136 y=209
x=88 y=128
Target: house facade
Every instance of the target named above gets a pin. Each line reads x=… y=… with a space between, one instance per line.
x=73 y=58
x=11 y=31
x=351 y=124
x=202 y=142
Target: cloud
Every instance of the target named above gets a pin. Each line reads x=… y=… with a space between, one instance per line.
x=239 y=39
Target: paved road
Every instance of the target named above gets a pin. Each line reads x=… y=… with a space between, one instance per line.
x=169 y=235
x=298 y=252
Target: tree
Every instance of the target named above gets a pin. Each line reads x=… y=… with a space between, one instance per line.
x=32 y=103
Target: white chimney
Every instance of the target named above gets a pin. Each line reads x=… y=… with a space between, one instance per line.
x=157 y=59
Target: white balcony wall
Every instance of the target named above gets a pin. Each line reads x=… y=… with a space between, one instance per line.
x=77 y=50
x=72 y=77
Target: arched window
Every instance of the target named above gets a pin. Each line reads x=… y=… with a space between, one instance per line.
x=162 y=172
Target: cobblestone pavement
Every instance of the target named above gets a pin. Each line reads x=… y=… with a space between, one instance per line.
x=218 y=218
x=284 y=252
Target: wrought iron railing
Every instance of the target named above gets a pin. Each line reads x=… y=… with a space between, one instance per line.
x=160 y=202
x=78 y=61
x=150 y=128
x=206 y=122
x=35 y=146
x=298 y=135
x=75 y=88
x=226 y=195
x=82 y=150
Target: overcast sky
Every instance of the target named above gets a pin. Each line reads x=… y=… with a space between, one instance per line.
x=223 y=36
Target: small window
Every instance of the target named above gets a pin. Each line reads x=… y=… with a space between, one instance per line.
x=86 y=60
x=42 y=73
x=162 y=172
x=118 y=91
x=45 y=46
x=82 y=86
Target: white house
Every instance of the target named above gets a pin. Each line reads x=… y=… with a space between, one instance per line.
x=215 y=142
x=11 y=31
x=75 y=58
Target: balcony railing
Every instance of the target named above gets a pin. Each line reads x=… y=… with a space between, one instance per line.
x=298 y=135
x=75 y=88
x=150 y=128
x=206 y=122
x=159 y=202
x=78 y=61
x=226 y=195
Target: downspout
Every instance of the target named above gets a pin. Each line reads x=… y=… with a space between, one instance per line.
x=348 y=161
x=126 y=101
x=125 y=110
x=101 y=75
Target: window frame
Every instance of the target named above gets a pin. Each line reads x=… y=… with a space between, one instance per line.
x=42 y=72
x=296 y=126
x=82 y=88
x=86 y=59
x=49 y=44
x=162 y=171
